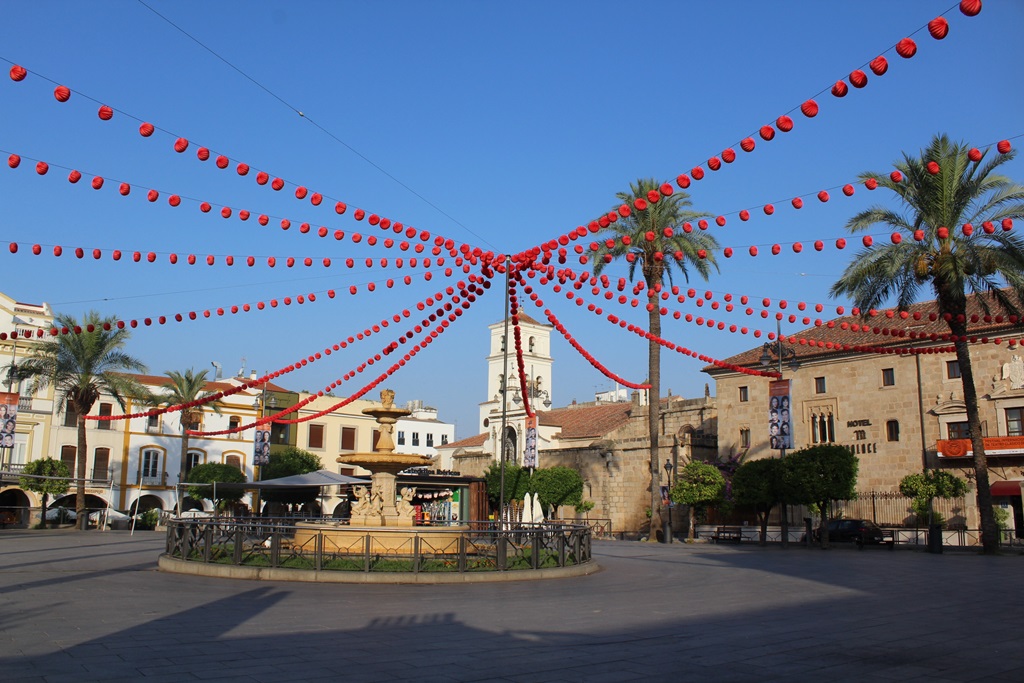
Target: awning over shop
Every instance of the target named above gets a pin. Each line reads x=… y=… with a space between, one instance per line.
x=1005 y=488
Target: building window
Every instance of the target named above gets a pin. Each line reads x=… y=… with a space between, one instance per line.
x=531 y=344
x=892 y=430
x=415 y=438
x=823 y=428
x=316 y=436
x=234 y=422
x=348 y=438
x=151 y=464
x=153 y=423
x=375 y=439
x=744 y=437
x=67 y=456
x=70 y=416
x=744 y=395
x=192 y=460
x=430 y=440
x=1015 y=421
x=958 y=430
x=503 y=343
x=233 y=461
x=401 y=438
x=952 y=369
x=105 y=411
x=889 y=378
x=100 y=464
x=444 y=439
x=819 y=385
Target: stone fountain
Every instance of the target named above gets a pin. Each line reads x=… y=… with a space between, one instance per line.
x=381 y=506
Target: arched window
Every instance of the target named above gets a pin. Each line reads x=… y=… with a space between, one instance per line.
x=532 y=344
x=892 y=430
x=233 y=461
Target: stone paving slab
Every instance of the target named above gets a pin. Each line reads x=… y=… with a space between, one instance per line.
x=90 y=606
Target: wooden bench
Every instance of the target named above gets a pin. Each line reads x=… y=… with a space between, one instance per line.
x=728 y=533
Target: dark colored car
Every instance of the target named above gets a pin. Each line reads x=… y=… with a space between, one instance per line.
x=855 y=531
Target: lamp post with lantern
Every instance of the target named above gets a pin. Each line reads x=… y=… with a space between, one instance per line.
x=778 y=354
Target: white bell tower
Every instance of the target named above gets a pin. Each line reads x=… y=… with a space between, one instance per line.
x=536 y=340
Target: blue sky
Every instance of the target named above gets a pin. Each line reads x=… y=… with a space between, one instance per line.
x=505 y=125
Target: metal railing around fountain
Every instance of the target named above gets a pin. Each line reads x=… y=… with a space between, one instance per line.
x=263 y=542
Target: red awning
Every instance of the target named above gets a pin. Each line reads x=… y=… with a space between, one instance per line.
x=1005 y=488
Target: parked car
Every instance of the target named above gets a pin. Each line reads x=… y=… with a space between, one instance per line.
x=855 y=531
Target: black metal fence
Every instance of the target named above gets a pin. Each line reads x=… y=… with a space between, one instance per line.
x=261 y=542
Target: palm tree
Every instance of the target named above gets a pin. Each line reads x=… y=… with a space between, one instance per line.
x=936 y=254
x=80 y=367
x=185 y=389
x=658 y=245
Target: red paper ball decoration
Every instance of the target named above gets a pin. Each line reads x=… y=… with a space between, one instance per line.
x=222 y=161
x=697 y=172
x=879 y=65
x=840 y=89
x=942 y=232
x=180 y=145
x=818 y=245
x=896 y=177
x=74 y=177
x=1007 y=224
x=974 y=154
x=106 y=113
x=919 y=235
x=744 y=215
x=682 y=180
x=823 y=196
x=858 y=79
x=896 y=238
x=767 y=133
x=840 y=243
x=202 y=154
x=278 y=184
x=242 y=169
x=714 y=163
x=968 y=229
x=797 y=203
x=97 y=182
x=871 y=183
x=174 y=200
x=932 y=167
x=125 y=189
x=262 y=178
x=146 y=129
x=867 y=240
x=1003 y=146
x=784 y=123
x=720 y=221
x=809 y=108
x=970 y=7
x=14 y=161
x=938 y=27
x=747 y=144
x=848 y=190
x=729 y=156
x=42 y=167
x=18 y=73
x=776 y=249
x=62 y=93
x=752 y=251
x=769 y=209
x=906 y=48
x=727 y=252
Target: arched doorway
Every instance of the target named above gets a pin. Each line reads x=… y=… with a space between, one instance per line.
x=510 y=448
x=14 y=505
x=144 y=504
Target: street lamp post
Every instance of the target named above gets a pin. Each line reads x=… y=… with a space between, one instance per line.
x=780 y=353
x=668 y=483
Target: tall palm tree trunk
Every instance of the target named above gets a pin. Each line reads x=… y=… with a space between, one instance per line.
x=81 y=518
x=654 y=412
x=989 y=529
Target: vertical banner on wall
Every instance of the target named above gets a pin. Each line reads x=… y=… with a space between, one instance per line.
x=261 y=447
x=8 y=418
x=530 y=456
x=780 y=422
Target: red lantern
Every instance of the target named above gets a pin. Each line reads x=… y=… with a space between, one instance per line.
x=301 y=192
x=62 y=93
x=896 y=238
x=202 y=154
x=225 y=212
x=932 y=167
x=840 y=243
x=970 y=7
x=262 y=178
x=871 y=183
x=42 y=167
x=938 y=27
x=823 y=196
x=797 y=247
x=1003 y=146
x=97 y=182
x=769 y=209
x=848 y=190
x=242 y=169
x=858 y=79
x=727 y=252
x=683 y=180
x=1007 y=224
x=125 y=189
x=277 y=184
x=714 y=163
x=767 y=132
x=720 y=221
x=919 y=235
x=906 y=48
x=180 y=145
x=205 y=207
x=222 y=161
x=174 y=200
x=942 y=232
x=146 y=129
x=106 y=113
x=797 y=203
x=776 y=249
x=784 y=123
x=753 y=251
x=14 y=161
x=809 y=109
x=729 y=156
x=879 y=65
x=968 y=229
x=818 y=245
x=18 y=73
x=744 y=215
x=867 y=240
x=840 y=89
x=896 y=176
x=697 y=172
x=74 y=177
x=747 y=144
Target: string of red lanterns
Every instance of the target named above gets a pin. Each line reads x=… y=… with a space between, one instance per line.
x=181 y=144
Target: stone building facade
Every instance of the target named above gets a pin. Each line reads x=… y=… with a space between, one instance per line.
x=898 y=408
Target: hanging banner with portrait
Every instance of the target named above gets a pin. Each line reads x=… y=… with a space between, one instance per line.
x=780 y=421
x=261 y=447
x=8 y=418
x=530 y=455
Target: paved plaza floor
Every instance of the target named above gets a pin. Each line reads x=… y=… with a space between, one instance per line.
x=91 y=606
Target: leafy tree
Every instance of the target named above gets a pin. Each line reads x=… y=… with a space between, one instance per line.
x=929 y=485
x=697 y=483
x=557 y=486
x=517 y=483
x=935 y=254
x=81 y=366
x=184 y=389
x=221 y=473
x=819 y=475
x=45 y=467
x=761 y=484
x=288 y=462
x=656 y=240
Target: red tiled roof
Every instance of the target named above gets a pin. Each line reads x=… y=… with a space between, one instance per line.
x=218 y=385
x=828 y=338
x=468 y=442
x=580 y=422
